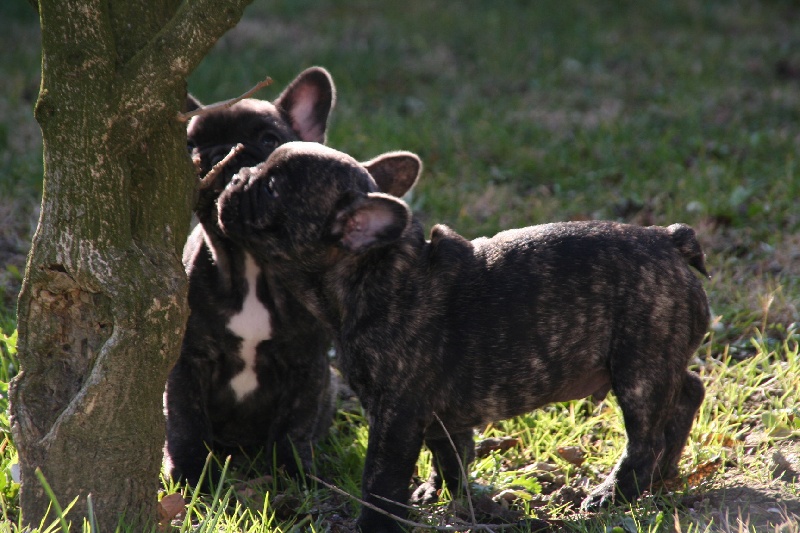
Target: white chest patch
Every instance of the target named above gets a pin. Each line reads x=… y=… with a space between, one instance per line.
x=252 y=324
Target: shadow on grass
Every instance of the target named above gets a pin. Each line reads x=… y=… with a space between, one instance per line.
x=756 y=508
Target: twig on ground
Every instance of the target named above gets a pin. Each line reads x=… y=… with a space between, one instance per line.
x=184 y=117
x=459 y=527
x=411 y=523
x=208 y=179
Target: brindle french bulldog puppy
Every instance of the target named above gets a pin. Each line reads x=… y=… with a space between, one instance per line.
x=253 y=373
x=468 y=332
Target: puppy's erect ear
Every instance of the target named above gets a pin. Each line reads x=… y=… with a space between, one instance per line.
x=191 y=104
x=395 y=172
x=371 y=220
x=307 y=102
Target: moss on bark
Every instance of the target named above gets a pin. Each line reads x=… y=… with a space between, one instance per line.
x=102 y=307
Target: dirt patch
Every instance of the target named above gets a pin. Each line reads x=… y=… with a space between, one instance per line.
x=762 y=493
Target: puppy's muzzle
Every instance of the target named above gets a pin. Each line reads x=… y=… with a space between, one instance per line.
x=245 y=204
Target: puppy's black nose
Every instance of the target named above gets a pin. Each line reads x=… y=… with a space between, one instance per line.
x=242 y=179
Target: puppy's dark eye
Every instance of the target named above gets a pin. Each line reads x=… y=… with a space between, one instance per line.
x=270 y=141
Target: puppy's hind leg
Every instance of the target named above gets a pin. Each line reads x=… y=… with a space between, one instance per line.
x=647 y=400
x=680 y=423
x=448 y=460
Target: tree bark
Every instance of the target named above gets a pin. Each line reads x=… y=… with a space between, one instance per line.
x=103 y=303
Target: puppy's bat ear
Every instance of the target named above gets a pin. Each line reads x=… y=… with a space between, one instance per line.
x=307 y=102
x=372 y=220
x=395 y=172
x=191 y=104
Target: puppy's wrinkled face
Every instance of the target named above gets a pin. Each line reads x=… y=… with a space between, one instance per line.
x=286 y=208
x=299 y=113
x=257 y=124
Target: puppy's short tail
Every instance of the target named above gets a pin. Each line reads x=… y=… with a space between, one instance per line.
x=686 y=241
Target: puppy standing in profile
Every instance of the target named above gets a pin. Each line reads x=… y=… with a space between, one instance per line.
x=468 y=332
x=253 y=371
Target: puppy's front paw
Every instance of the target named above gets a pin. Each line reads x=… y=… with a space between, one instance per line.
x=597 y=500
x=425 y=493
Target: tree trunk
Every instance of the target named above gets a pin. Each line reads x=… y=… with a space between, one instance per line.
x=102 y=307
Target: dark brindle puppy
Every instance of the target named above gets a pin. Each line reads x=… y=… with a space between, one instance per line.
x=475 y=331
x=253 y=371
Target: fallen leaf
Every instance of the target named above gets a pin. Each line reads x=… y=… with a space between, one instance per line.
x=701 y=473
x=572 y=454
x=704 y=471
x=487 y=446
x=170 y=507
x=726 y=441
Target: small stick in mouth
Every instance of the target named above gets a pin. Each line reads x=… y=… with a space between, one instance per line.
x=209 y=178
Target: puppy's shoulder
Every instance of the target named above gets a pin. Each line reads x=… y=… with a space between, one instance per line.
x=447 y=248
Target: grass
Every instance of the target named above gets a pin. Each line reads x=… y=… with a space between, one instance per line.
x=526 y=113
